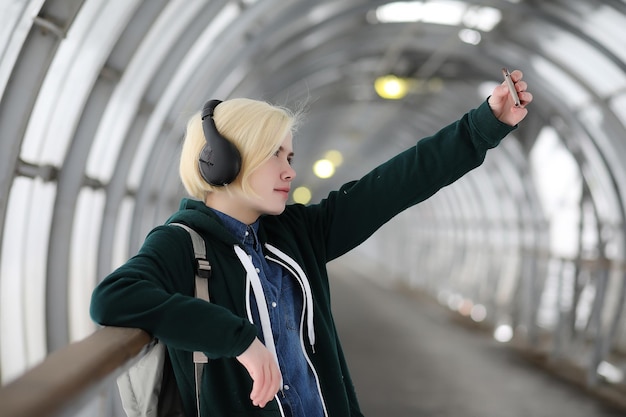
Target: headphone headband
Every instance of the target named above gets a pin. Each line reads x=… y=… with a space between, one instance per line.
x=209 y=108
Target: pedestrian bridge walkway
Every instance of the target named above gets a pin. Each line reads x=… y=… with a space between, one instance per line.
x=411 y=357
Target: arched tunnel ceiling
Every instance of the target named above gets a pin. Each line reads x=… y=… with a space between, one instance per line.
x=161 y=59
x=95 y=95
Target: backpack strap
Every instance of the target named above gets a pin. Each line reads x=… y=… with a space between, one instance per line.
x=203 y=273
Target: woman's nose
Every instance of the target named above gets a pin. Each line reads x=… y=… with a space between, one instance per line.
x=289 y=174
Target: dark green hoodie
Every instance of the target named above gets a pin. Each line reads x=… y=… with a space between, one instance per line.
x=154 y=289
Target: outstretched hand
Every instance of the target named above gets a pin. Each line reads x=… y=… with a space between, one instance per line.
x=263 y=370
x=502 y=104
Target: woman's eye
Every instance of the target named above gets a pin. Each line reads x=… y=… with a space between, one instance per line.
x=289 y=156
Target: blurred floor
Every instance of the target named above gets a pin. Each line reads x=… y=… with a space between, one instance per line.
x=409 y=359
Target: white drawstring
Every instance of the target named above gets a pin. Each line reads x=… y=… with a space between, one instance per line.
x=257 y=288
x=301 y=276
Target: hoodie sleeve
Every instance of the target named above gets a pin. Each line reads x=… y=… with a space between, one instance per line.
x=354 y=212
x=153 y=291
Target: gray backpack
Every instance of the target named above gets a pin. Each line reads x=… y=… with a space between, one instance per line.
x=148 y=388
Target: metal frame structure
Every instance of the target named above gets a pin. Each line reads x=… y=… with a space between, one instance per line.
x=95 y=94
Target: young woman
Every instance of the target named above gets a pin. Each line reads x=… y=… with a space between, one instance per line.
x=268 y=332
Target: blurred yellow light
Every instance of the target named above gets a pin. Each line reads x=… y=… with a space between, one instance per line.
x=324 y=168
x=301 y=195
x=391 y=87
x=335 y=157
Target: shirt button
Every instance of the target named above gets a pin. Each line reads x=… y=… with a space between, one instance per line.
x=257 y=270
x=247 y=233
x=274 y=304
x=286 y=387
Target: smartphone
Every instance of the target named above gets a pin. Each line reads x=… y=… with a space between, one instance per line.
x=509 y=82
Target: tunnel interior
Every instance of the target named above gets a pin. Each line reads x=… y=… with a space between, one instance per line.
x=95 y=95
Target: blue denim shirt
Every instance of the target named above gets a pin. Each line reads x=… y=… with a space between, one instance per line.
x=299 y=395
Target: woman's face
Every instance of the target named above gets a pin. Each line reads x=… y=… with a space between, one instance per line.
x=271 y=182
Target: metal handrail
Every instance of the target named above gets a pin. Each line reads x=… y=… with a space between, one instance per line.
x=67 y=376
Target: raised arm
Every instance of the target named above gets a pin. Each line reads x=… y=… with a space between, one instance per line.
x=351 y=214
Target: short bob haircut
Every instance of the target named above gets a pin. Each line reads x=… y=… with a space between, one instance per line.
x=255 y=127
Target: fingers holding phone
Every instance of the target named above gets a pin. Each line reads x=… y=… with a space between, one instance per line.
x=509 y=82
x=509 y=99
x=517 y=87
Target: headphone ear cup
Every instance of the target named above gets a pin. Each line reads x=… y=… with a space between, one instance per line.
x=219 y=161
x=205 y=164
x=219 y=167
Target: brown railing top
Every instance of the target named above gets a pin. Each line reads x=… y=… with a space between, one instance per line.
x=67 y=374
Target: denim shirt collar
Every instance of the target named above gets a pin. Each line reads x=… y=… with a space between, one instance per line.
x=246 y=234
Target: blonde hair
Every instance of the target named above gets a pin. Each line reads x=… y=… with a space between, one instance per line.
x=255 y=127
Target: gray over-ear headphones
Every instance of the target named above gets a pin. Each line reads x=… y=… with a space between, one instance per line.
x=219 y=161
